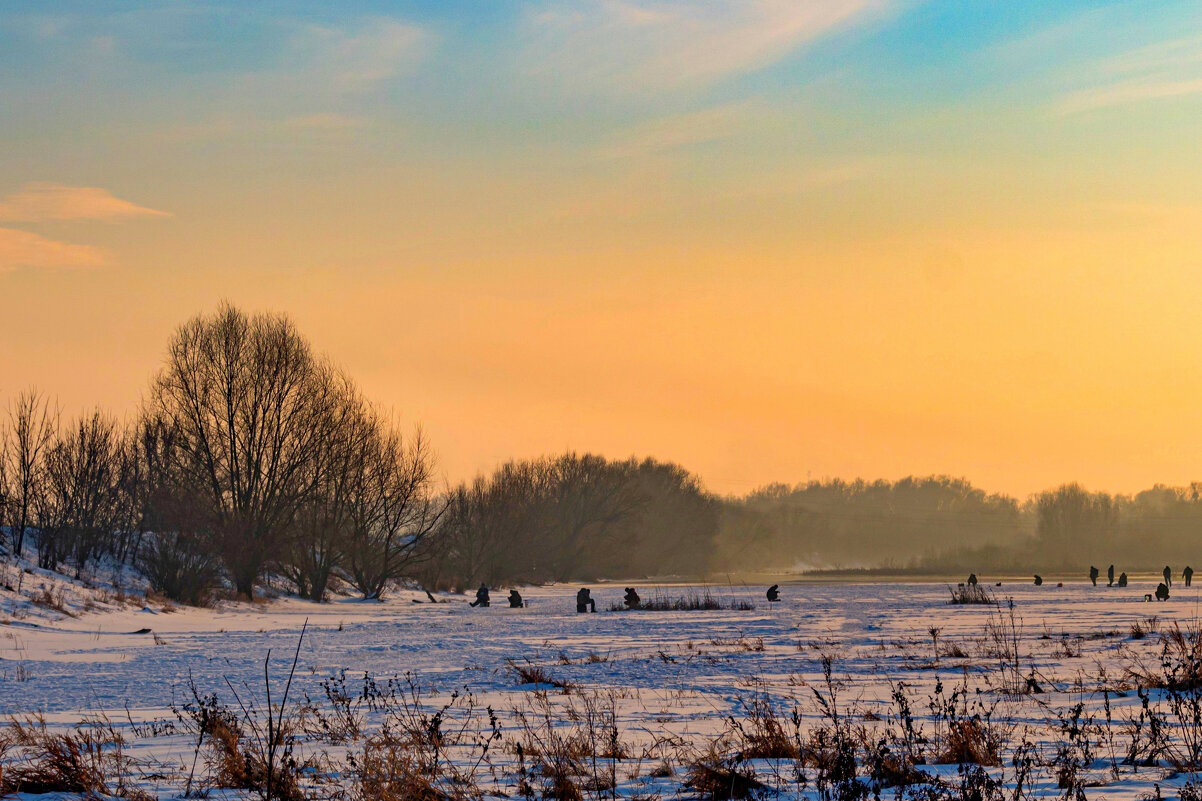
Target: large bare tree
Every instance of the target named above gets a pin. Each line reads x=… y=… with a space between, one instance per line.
x=246 y=400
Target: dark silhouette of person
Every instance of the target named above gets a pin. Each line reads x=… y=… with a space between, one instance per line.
x=515 y=600
x=773 y=593
x=1038 y=580
x=1122 y=579
x=631 y=598
x=482 y=598
x=1162 y=592
x=1110 y=576
x=1093 y=575
x=972 y=579
x=1188 y=575
x=1168 y=576
x=584 y=601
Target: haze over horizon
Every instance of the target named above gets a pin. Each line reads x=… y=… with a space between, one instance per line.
x=770 y=241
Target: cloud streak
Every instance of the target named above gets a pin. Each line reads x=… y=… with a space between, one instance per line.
x=631 y=44
x=25 y=249
x=1162 y=70
x=1125 y=92
x=682 y=130
x=42 y=202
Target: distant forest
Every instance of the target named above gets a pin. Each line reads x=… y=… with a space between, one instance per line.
x=254 y=458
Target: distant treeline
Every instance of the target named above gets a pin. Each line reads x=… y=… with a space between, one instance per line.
x=252 y=457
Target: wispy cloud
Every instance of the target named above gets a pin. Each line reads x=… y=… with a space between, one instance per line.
x=1172 y=68
x=1124 y=92
x=629 y=44
x=354 y=59
x=681 y=130
x=25 y=249
x=40 y=202
x=322 y=80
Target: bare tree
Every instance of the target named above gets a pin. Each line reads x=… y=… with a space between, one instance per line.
x=322 y=522
x=32 y=426
x=80 y=506
x=590 y=500
x=245 y=397
x=393 y=511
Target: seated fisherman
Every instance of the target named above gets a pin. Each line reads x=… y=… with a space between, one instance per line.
x=1122 y=580
x=1162 y=592
x=584 y=601
x=1038 y=579
x=631 y=598
x=482 y=598
x=515 y=600
x=774 y=593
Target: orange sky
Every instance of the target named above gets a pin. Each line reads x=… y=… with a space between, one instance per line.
x=820 y=248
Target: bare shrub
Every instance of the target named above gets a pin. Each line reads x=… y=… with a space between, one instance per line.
x=178 y=566
x=971 y=594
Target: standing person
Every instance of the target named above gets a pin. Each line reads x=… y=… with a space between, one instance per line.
x=584 y=601
x=1188 y=575
x=1168 y=576
x=1093 y=575
x=1110 y=576
x=482 y=598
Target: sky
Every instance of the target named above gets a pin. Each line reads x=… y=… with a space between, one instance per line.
x=772 y=240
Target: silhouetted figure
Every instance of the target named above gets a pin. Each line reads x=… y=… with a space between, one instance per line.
x=1122 y=579
x=515 y=600
x=584 y=601
x=1038 y=580
x=631 y=598
x=1110 y=576
x=1168 y=576
x=1093 y=575
x=1162 y=592
x=773 y=593
x=482 y=598
x=972 y=579
x=1188 y=575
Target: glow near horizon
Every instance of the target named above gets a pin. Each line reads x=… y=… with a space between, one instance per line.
x=768 y=240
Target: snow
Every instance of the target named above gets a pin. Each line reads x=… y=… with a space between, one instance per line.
x=672 y=673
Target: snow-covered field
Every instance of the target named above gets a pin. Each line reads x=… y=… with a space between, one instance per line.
x=666 y=685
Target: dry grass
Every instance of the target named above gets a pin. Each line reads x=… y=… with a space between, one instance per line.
x=722 y=777
x=691 y=602
x=970 y=741
x=89 y=760
x=529 y=673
